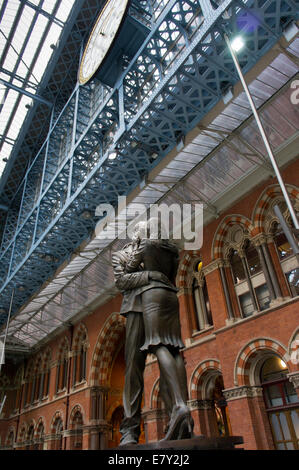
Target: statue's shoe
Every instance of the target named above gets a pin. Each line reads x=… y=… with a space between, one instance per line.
x=128 y=440
x=181 y=424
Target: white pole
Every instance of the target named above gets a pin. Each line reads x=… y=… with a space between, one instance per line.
x=263 y=134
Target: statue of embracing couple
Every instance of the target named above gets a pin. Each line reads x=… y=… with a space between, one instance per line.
x=145 y=271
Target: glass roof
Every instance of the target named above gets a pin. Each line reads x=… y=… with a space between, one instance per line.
x=29 y=32
x=203 y=171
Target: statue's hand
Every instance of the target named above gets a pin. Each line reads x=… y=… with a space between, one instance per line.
x=158 y=276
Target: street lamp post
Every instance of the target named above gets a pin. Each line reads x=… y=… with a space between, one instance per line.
x=261 y=129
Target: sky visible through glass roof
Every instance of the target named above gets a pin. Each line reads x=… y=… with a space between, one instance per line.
x=28 y=32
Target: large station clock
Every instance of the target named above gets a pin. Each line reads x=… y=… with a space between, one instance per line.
x=101 y=38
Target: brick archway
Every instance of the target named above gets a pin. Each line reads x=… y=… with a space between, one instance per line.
x=75 y=409
x=249 y=353
x=79 y=335
x=198 y=374
x=58 y=415
x=263 y=204
x=10 y=433
x=40 y=421
x=105 y=348
x=184 y=267
x=221 y=232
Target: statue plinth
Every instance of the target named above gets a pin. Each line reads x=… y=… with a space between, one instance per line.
x=194 y=443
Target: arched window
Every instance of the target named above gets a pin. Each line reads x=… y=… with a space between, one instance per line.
x=282 y=403
x=58 y=431
x=220 y=408
x=286 y=257
x=10 y=440
x=18 y=388
x=39 y=444
x=77 y=424
x=41 y=379
x=30 y=437
x=203 y=314
x=249 y=278
x=62 y=367
x=79 y=367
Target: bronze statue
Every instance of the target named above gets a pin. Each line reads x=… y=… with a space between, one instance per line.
x=145 y=271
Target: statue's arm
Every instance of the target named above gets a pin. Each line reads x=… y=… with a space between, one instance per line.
x=127 y=281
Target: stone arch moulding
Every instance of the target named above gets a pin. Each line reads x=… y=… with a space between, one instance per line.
x=103 y=353
x=222 y=231
x=22 y=433
x=264 y=201
x=155 y=394
x=112 y=408
x=293 y=348
x=196 y=376
x=184 y=267
x=74 y=410
x=56 y=416
x=248 y=355
x=40 y=420
x=64 y=345
x=80 y=333
x=10 y=430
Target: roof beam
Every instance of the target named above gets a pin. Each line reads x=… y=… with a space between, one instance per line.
x=27 y=93
x=43 y=12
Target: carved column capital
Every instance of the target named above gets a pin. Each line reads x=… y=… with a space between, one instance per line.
x=153 y=414
x=294 y=378
x=259 y=239
x=245 y=391
x=196 y=404
x=215 y=264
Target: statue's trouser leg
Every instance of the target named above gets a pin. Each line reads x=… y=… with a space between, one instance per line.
x=135 y=364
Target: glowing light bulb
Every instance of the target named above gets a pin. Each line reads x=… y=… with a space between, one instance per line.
x=283 y=364
x=112 y=155
x=237 y=43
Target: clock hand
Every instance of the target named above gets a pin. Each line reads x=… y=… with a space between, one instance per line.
x=105 y=22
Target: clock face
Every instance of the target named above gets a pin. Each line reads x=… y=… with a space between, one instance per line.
x=101 y=38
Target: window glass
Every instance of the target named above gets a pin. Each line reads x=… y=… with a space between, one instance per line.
x=274 y=397
x=293 y=280
x=253 y=260
x=290 y=393
x=283 y=247
x=284 y=425
x=246 y=304
x=237 y=267
x=276 y=427
x=207 y=303
x=273 y=369
x=295 y=421
x=263 y=296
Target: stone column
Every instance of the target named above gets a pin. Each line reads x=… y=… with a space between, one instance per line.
x=199 y=412
x=216 y=294
x=154 y=421
x=266 y=272
x=248 y=416
x=230 y=311
x=98 y=431
x=251 y=290
x=272 y=271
